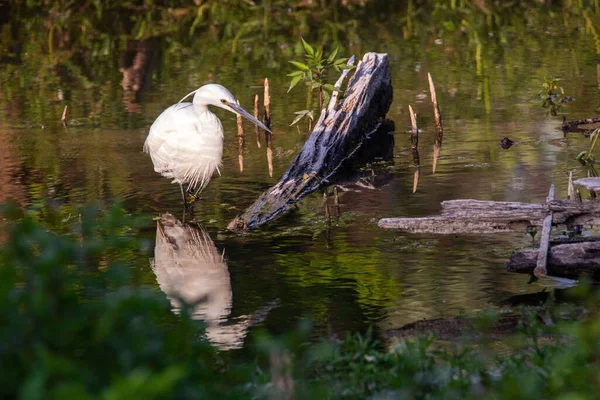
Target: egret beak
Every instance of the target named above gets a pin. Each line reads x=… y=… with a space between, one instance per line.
x=236 y=108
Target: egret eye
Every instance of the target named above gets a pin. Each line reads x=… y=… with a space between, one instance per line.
x=223 y=101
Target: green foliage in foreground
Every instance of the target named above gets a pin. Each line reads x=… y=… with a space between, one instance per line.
x=73 y=326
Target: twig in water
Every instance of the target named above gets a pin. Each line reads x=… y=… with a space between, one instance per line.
x=326 y=204
x=63 y=119
x=240 y=127
x=267 y=122
x=414 y=139
x=336 y=201
x=256 y=128
x=438 y=124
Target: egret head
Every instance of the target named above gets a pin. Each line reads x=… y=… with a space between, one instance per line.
x=218 y=96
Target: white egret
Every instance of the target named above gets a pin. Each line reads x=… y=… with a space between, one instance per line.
x=186 y=140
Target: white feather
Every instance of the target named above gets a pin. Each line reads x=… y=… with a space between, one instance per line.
x=186 y=145
x=186 y=140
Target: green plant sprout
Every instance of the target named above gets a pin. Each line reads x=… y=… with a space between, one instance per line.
x=552 y=95
x=586 y=158
x=314 y=74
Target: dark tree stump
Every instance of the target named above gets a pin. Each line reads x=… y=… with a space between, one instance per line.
x=336 y=138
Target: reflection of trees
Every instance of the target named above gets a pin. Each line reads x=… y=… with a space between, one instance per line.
x=189 y=269
x=137 y=64
x=75 y=47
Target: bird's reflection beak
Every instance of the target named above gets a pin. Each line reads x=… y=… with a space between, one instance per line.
x=239 y=110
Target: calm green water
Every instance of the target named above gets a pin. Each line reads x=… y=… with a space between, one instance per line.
x=353 y=275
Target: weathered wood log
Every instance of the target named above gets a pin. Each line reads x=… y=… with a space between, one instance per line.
x=475 y=216
x=591 y=184
x=572 y=261
x=338 y=84
x=540 y=269
x=337 y=136
x=450 y=226
x=593 y=120
x=570 y=187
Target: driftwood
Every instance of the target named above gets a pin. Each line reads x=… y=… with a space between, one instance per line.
x=572 y=260
x=474 y=216
x=337 y=137
x=573 y=126
x=540 y=269
x=591 y=184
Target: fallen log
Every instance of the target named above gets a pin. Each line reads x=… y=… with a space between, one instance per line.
x=591 y=184
x=336 y=138
x=572 y=261
x=474 y=216
x=542 y=258
x=587 y=121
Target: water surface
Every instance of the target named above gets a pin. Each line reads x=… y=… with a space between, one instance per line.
x=353 y=274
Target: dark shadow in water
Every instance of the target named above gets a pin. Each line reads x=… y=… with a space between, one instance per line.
x=189 y=269
x=558 y=296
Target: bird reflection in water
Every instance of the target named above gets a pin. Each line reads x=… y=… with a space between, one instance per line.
x=189 y=269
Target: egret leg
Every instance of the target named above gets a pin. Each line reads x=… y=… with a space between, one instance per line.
x=182 y=194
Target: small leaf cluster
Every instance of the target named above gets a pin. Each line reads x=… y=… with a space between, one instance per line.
x=553 y=95
x=586 y=158
x=313 y=72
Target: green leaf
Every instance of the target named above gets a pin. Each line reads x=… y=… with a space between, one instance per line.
x=308 y=47
x=319 y=53
x=326 y=97
x=142 y=30
x=332 y=56
x=301 y=114
x=294 y=82
x=300 y=65
x=296 y=73
x=330 y=87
